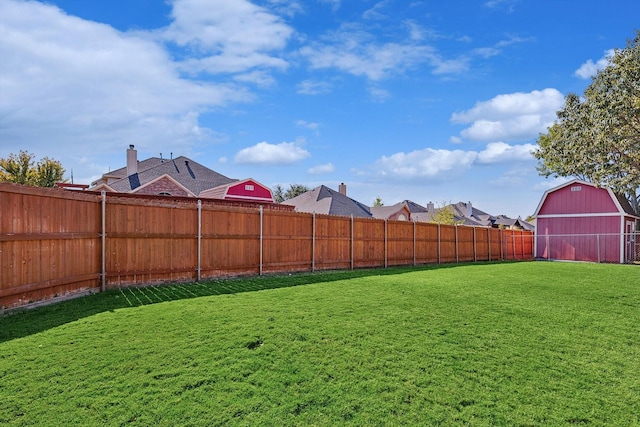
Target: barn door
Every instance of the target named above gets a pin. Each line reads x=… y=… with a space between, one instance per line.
x=630 y=239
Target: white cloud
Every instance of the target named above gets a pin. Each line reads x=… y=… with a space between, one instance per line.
x=423 y=163
x=309 y=87
x=432 y=163
x=500 y=152
x=511 y=116
x=229 y=36
x=375 y=61
x=84 y=87
x=321 y=169
x=590 y=69
x=271 y=154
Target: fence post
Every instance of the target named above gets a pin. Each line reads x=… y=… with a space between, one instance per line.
x=385 y=244
x=103 y=238
x=522 y=240
x=500 y=234
x=414 y=244
x=489 y=242
x=438 y=243
x=598 y=246
x=475 y=252
x=457 y=252
x=352 y=249
x=261 y=239
x=313 y=242
x=513 y=241
x=199 y=239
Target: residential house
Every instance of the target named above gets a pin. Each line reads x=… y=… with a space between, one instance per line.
x=181 y=177
x=324 y=200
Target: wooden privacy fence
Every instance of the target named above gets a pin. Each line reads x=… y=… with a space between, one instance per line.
x=55 y=242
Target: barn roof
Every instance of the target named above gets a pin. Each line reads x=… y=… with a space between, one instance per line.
x=621 y=202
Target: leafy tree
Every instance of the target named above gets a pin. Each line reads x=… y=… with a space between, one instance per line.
x=596 y=137
x=280 y=194
x=445 y=214
x=22 y=169
x=378 y=202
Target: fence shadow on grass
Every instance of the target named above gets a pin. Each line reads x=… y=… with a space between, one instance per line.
x=25 y=322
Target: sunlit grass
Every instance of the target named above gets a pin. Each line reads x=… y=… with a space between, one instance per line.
x=489 y=344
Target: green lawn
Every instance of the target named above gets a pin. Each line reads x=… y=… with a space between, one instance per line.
x=514 y=344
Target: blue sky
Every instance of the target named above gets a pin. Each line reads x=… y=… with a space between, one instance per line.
x=424 y=100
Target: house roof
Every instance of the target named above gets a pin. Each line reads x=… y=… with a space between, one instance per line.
x=191 y=175
x=386 y=212
x=413 y=206
x=324 y=200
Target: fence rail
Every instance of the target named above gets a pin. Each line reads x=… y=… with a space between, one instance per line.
x=54 y=242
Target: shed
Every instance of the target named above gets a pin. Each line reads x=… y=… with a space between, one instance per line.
x=246 y=190
x=578 y=221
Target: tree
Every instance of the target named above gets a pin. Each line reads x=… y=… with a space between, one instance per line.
x=596 y=137
x=445 y=214
x=21 y=169
x=378 y=202
x=280 y=195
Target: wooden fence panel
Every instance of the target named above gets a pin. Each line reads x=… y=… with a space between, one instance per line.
x=230 y=242
x=466 y=244
x=150 y=242
x=495 y=244
x=427 y=243
x=368 y=243
x=287 y=241
x=48 y=243
x=400 y=243
x=481 y=235
x=448 y=237
x=332 y=248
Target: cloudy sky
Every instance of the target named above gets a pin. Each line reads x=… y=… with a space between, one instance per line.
x=424 y=100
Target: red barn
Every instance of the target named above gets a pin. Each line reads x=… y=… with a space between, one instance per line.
x=578 y=221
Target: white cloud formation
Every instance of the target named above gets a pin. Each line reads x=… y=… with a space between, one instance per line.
x=310 y=87
x=500 y=152
x=590 y=69
x=375 y=61
x=230 y=36
x=423 y=163
x=432 y=163
x=81 y=86
x=321 y=169
x=272 y=154
x=511 y=116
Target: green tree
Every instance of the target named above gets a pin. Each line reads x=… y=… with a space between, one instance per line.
x=596 y=137
x=280 y=194
x=378 y=202
x=445 y=214
x=21 y=169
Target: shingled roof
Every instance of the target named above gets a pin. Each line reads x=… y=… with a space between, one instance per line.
x=324 y=200
x=192 y=175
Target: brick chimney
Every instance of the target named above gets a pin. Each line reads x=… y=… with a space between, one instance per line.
x=132 y=161
x=469 y=212
x=342 y=189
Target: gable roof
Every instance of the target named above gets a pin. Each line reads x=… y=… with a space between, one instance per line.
x=324 y=200
x=191 y=175
x=391 y=212
x=621 y=202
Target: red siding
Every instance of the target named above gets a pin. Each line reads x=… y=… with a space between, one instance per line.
x=248 y=190
x=588 y=200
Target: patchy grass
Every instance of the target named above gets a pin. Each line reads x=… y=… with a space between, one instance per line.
x=516 y=344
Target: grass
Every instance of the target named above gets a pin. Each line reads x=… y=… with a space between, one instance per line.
x=515 y=344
